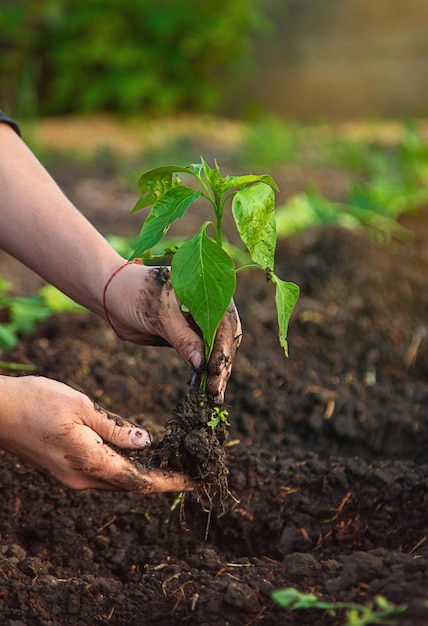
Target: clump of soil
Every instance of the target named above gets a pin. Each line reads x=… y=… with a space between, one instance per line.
x=194 y=444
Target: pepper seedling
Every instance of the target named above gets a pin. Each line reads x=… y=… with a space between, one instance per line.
x=203 y=274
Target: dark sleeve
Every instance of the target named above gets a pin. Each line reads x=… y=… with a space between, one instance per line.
x=4 y=118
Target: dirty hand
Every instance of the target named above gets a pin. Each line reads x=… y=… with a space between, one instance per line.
x=142 y=307
x=63 y=433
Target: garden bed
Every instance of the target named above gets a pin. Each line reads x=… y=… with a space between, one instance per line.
x=327 y=457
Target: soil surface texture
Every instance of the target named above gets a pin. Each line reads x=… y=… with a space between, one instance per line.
x=327 y=455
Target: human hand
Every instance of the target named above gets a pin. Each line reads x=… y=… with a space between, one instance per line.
x=142 y=307
x=63 y=433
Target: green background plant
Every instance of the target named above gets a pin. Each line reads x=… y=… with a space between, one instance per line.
x=74 y=56
x=380 y=611
x=21 y=314
x=385 y=180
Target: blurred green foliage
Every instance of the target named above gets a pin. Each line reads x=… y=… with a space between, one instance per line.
x=384 y=181
x=269 y=142
x=19 y=315
x=160 y=56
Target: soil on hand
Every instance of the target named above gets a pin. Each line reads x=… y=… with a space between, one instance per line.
x=327 y=458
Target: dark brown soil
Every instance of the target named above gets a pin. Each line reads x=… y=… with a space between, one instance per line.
x=193 y=442
x=327 y=459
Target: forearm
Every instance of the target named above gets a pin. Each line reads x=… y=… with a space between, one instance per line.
x=41 y=227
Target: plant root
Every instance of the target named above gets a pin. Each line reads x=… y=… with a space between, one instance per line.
x=192 y=446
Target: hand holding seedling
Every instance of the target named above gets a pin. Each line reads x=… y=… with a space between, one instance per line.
x=142 y=307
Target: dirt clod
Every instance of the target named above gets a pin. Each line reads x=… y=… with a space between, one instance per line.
x=195 y=447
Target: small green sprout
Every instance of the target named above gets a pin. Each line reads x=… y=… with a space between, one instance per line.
x=178 y=500
x=381 y=611
x=217 y=417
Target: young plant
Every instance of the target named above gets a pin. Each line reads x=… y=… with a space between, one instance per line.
x=218 y=417
x=203 y=274
x=379 y=612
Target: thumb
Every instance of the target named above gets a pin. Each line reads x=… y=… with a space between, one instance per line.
x=181 y=333
x=113 y=429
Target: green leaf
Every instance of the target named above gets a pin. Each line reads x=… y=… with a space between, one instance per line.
x=254 y=212
x=8 y=336
x=293 y=599
x=26 y=312
x=286 y=297
x=58 y=302
x=5 y=287
x=214 y=179
x=154 y=183
x=196 y=169
x=170 y=207
x=203 y=277
x=240 y=182
x=356 y=614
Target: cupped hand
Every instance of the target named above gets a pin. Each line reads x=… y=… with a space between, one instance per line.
x=143 y=308
x=63 y=433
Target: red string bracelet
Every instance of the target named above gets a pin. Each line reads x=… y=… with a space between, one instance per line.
x=108 y=318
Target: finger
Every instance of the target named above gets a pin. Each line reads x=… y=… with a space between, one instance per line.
x=106 y=469
x=112 y=428
x=182 y=333
x=227 y=342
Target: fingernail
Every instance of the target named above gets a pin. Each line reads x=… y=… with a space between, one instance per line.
x=141 y=438
x=195 y=359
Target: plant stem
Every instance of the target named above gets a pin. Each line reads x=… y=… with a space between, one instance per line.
x=248 y=266
x=17 y=367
